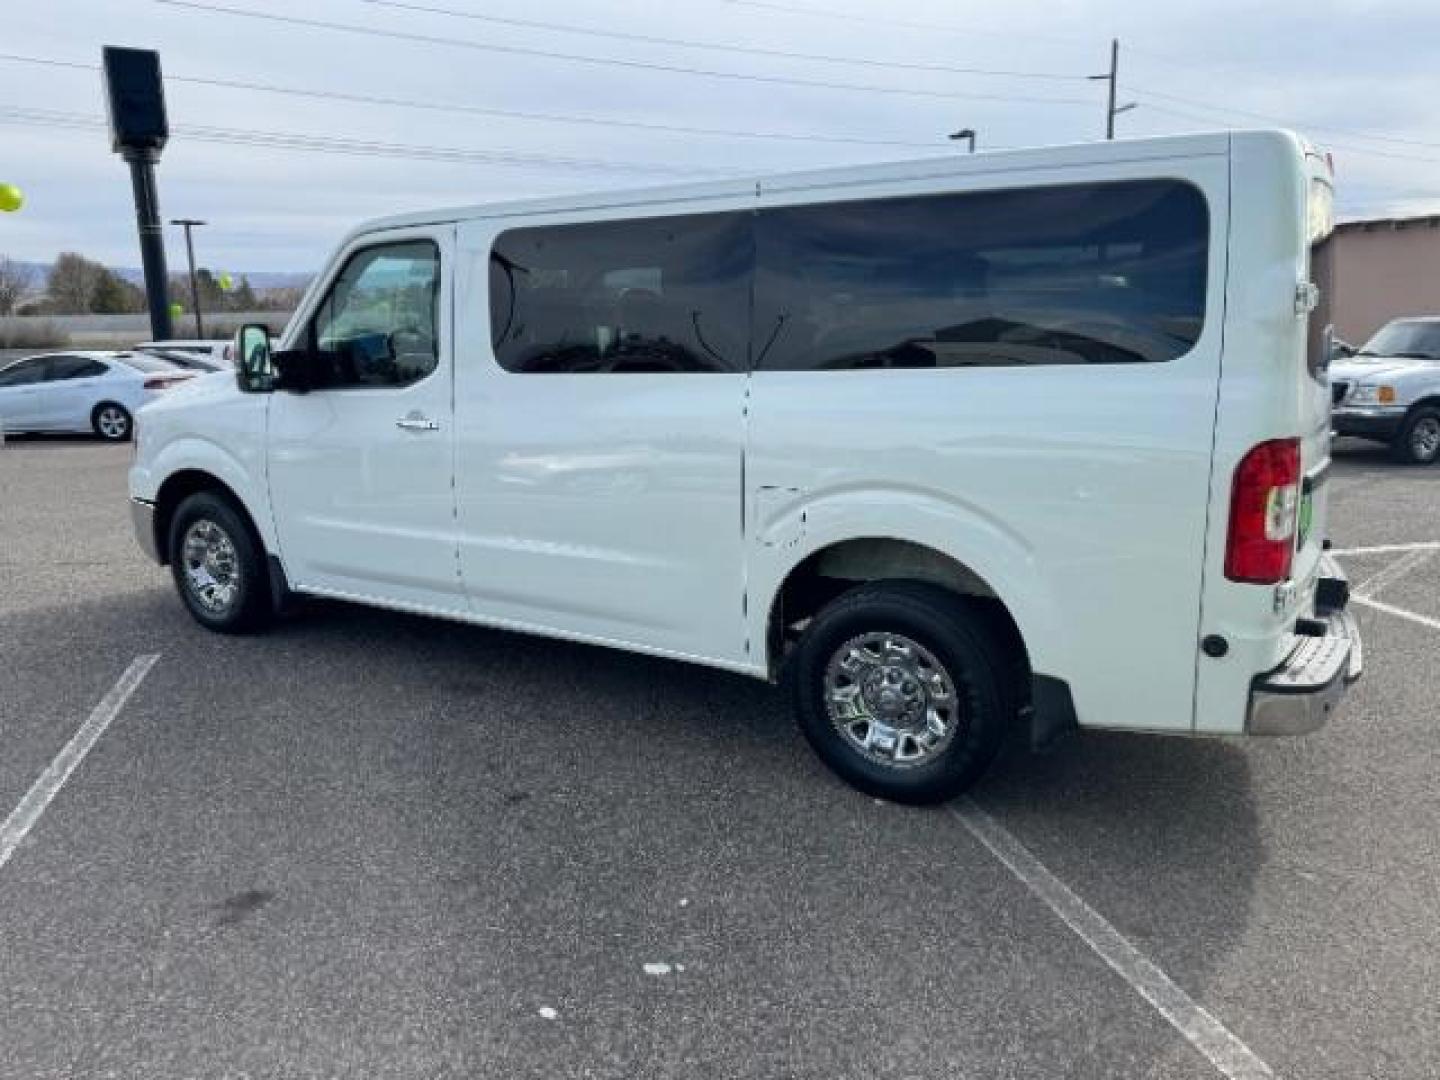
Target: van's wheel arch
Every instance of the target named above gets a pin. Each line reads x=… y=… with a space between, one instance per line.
x=219 y=564
x=905 y=689
x=1418 y=441
x=112 y=422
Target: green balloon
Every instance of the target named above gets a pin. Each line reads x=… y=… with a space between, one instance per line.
x=226 y=283
x=11 y=198
x=176 y=310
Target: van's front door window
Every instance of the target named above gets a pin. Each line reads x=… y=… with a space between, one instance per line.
x=377 y=325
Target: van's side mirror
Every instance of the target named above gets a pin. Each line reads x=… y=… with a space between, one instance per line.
x=253 y=369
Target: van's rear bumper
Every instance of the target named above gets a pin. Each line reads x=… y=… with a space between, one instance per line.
x=1298 y=696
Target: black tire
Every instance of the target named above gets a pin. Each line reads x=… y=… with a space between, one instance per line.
x=1418 y=442
x=241 y=564
x=112 y=422
x=960 y=637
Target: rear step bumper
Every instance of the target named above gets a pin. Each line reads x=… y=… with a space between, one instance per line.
x=1299 y=695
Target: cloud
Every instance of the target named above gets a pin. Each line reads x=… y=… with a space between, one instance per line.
x=1352 y=71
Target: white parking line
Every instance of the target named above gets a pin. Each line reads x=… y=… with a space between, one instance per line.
x=25 y=815
x=1224 y=1050
x=1371 y=586
x=1388 y=549
x=1398 y=612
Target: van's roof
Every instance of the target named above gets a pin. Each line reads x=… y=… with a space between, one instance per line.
x=951 y=164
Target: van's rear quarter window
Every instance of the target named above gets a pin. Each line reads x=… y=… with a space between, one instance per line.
x=1087 y=273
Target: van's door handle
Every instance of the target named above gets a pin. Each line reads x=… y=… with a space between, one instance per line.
x=417 y=423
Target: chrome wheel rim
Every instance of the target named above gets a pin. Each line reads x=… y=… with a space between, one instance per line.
x=1425 y=438
x=112 y=422
x=212 y=568
x=891 y=699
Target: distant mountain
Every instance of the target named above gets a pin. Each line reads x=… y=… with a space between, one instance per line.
x=259 y=279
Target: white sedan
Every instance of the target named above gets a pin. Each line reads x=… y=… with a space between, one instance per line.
x=82 y=391
x=197 y=354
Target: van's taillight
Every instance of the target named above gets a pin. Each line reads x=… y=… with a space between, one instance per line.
x=1264 y=510
x=164 y=382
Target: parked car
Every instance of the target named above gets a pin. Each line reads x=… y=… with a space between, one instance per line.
x=199 y=363
x=82 y=391
x=197 y=354
x=1389 y=391
x=965 y=447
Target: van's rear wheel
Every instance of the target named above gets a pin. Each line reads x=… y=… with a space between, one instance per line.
x=218 y=566
x=1419 y=440
x=904 y=690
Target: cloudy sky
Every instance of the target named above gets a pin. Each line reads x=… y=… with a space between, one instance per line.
x=400 y=104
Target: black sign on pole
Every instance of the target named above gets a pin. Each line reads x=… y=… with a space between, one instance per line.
x=135 y=101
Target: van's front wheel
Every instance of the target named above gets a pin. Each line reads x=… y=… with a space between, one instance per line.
x=904 y=690
x=218 y=566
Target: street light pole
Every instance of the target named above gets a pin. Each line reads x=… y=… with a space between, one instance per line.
x=188 y=223
x=965 y=133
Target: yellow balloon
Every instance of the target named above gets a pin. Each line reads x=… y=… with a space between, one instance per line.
x=226 y=283
x=11 y=198
x=176 y=310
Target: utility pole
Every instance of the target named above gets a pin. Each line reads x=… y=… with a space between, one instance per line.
x=965 y=133
x=188 y=223
x=1112 y=77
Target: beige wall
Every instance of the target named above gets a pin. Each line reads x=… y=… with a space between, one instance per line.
x=1385 y=270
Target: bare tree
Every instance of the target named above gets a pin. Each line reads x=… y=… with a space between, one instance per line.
x=15 y=282
x=73 y=281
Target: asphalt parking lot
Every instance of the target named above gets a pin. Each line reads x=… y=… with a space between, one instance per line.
x=372 y=845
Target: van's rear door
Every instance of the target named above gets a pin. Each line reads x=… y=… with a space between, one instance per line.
x=1314 y=378
x=1274 y=386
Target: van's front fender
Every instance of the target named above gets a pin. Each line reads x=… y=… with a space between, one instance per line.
x=242 y=472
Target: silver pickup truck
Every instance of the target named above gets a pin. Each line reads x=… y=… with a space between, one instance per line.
x=1390 y=390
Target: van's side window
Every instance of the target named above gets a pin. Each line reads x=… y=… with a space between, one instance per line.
x=1095 y=273
x=667 y=294
x=377 y=326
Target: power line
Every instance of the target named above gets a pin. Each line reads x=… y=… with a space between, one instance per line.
x=46 y=62
x=650 y=39
x=1286 y=121
x=1361 y=151
x=515 y=50
x=1194 y=64
x=873 y=20
x=433 y=106
x=284 y=140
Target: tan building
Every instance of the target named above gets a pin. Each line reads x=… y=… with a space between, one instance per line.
x=1385 y=268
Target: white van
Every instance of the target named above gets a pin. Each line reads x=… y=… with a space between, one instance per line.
x=959 y=447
